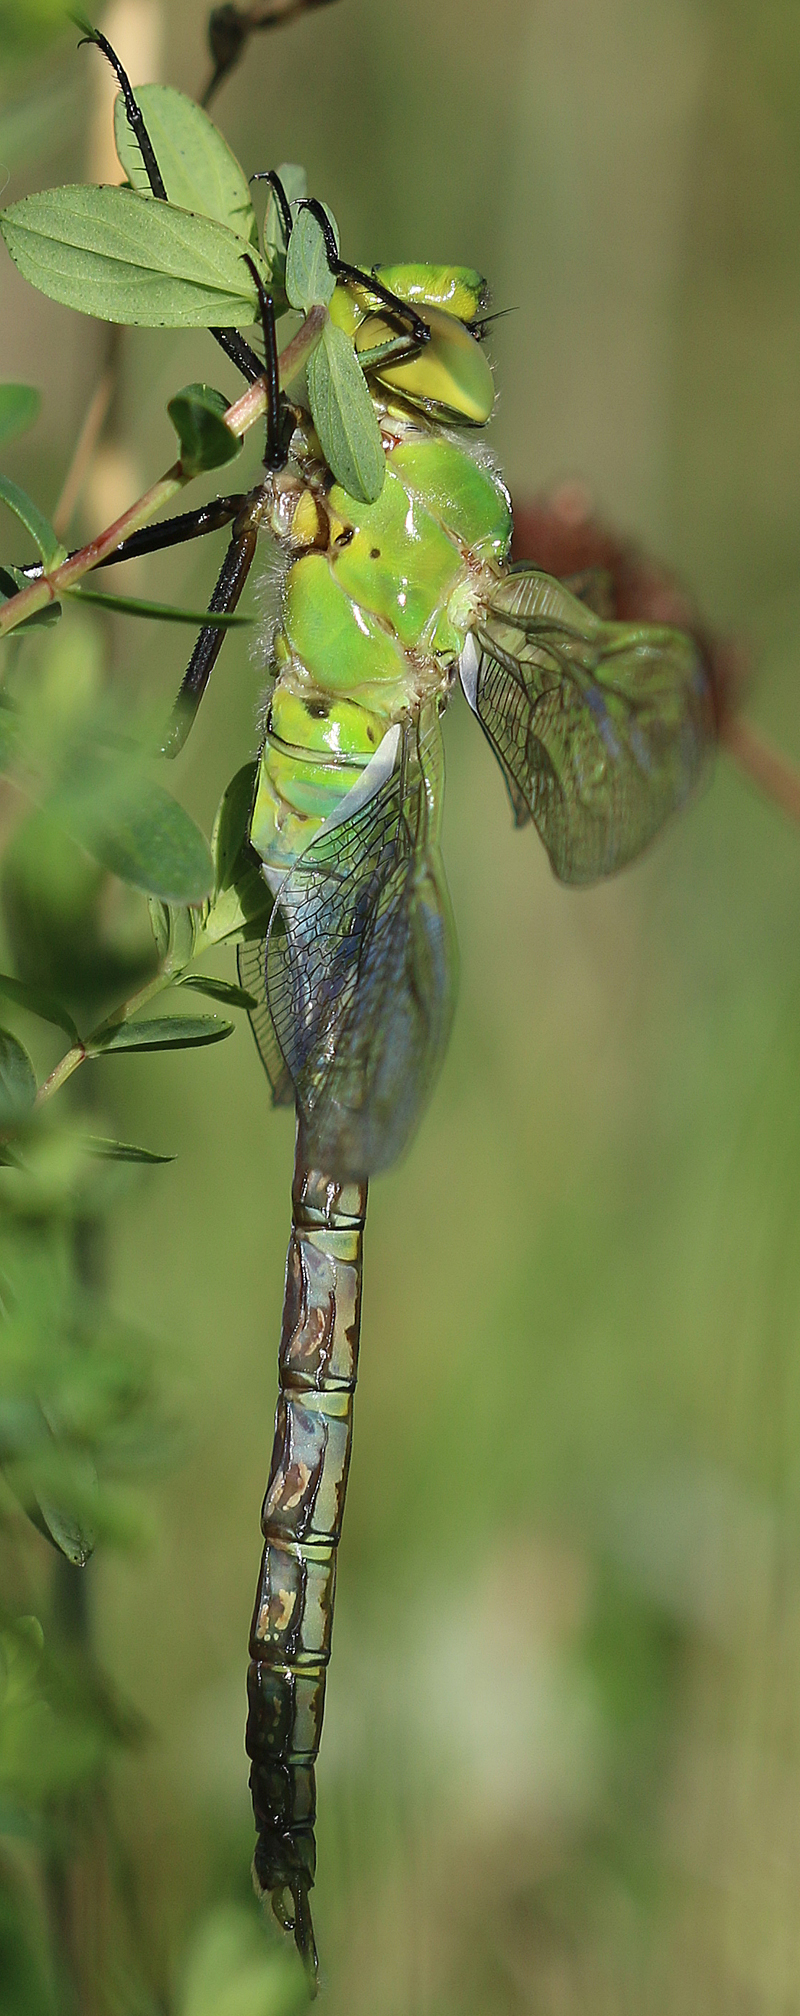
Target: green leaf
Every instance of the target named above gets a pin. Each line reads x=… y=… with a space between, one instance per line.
x=344 y=416
x=159 y=919
x=161 y=1032
x=242 y=901
x=232 y=823
x=174 y=929
x=309 y=280
x=218 y=990
x=157 y=612
x=127 y=258
x=122 y=1151
x=71 y=1535
x=33 y=519
x=39 y=1002
x=198 y=168
x=17 y=1080
x=19 y=407
x=198 y=417
x=142 y=834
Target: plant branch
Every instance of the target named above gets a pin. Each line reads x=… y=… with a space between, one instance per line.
x=239 y=417
x=230 y=27
x=62 y=1071
x=774 y=774
x=94 y=1045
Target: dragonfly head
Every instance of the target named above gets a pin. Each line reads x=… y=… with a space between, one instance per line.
x=449 y=378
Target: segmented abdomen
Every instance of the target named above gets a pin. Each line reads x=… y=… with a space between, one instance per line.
x=301 y=1522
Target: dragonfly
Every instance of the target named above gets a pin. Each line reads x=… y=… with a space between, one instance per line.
x=395 y=595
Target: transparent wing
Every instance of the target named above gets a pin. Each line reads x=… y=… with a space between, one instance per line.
x=360 y=963
x=251 y=959
x=600 y=728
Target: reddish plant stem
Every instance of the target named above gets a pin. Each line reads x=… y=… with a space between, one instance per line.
x=239 y=418
x=761 y=761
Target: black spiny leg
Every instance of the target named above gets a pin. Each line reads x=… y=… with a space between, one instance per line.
x=230 y=582
x=239 y=557
x=167 y=532
x=279 y=414
x=229 y=340
x=418 y=331
x=176 y=531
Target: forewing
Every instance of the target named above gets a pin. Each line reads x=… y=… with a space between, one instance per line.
x=360 y=965
x=601 y=729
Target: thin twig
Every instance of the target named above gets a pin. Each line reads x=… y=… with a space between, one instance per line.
x=83 y=455
x=61 y=1072
x=774 y=774
x=230 y=28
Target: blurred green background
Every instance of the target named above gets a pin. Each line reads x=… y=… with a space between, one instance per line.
x=561 y=1763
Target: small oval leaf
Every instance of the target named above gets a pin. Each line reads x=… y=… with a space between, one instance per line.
x=19 y=407
x=122 y=1151
x=39 y=1002
x=199 y=170
x=17 y=1080
x=232 y=823
x=142 y=835
x=161 y=1032
x=126 y=258
x=159 y=922
x=242 y=902
x=72 y=1536
x=218 y=990
x=309 y=280
x=344 y=415
x=198 y=417
x=33 y=519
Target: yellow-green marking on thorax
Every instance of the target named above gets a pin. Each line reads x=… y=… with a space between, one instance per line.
x=466 y=497
x=396 y=561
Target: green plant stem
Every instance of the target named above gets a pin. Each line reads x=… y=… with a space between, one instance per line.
x=239 y=417
x=61 y=1072
x=94 y=1045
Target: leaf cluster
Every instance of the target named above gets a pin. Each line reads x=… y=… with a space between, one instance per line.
x=126 y=255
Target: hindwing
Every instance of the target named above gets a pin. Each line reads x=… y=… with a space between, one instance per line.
x=601 y=729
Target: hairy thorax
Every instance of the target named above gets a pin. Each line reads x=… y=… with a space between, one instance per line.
x=374 y=606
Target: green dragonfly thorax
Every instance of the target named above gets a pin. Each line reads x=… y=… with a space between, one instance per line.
x=376 y=602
